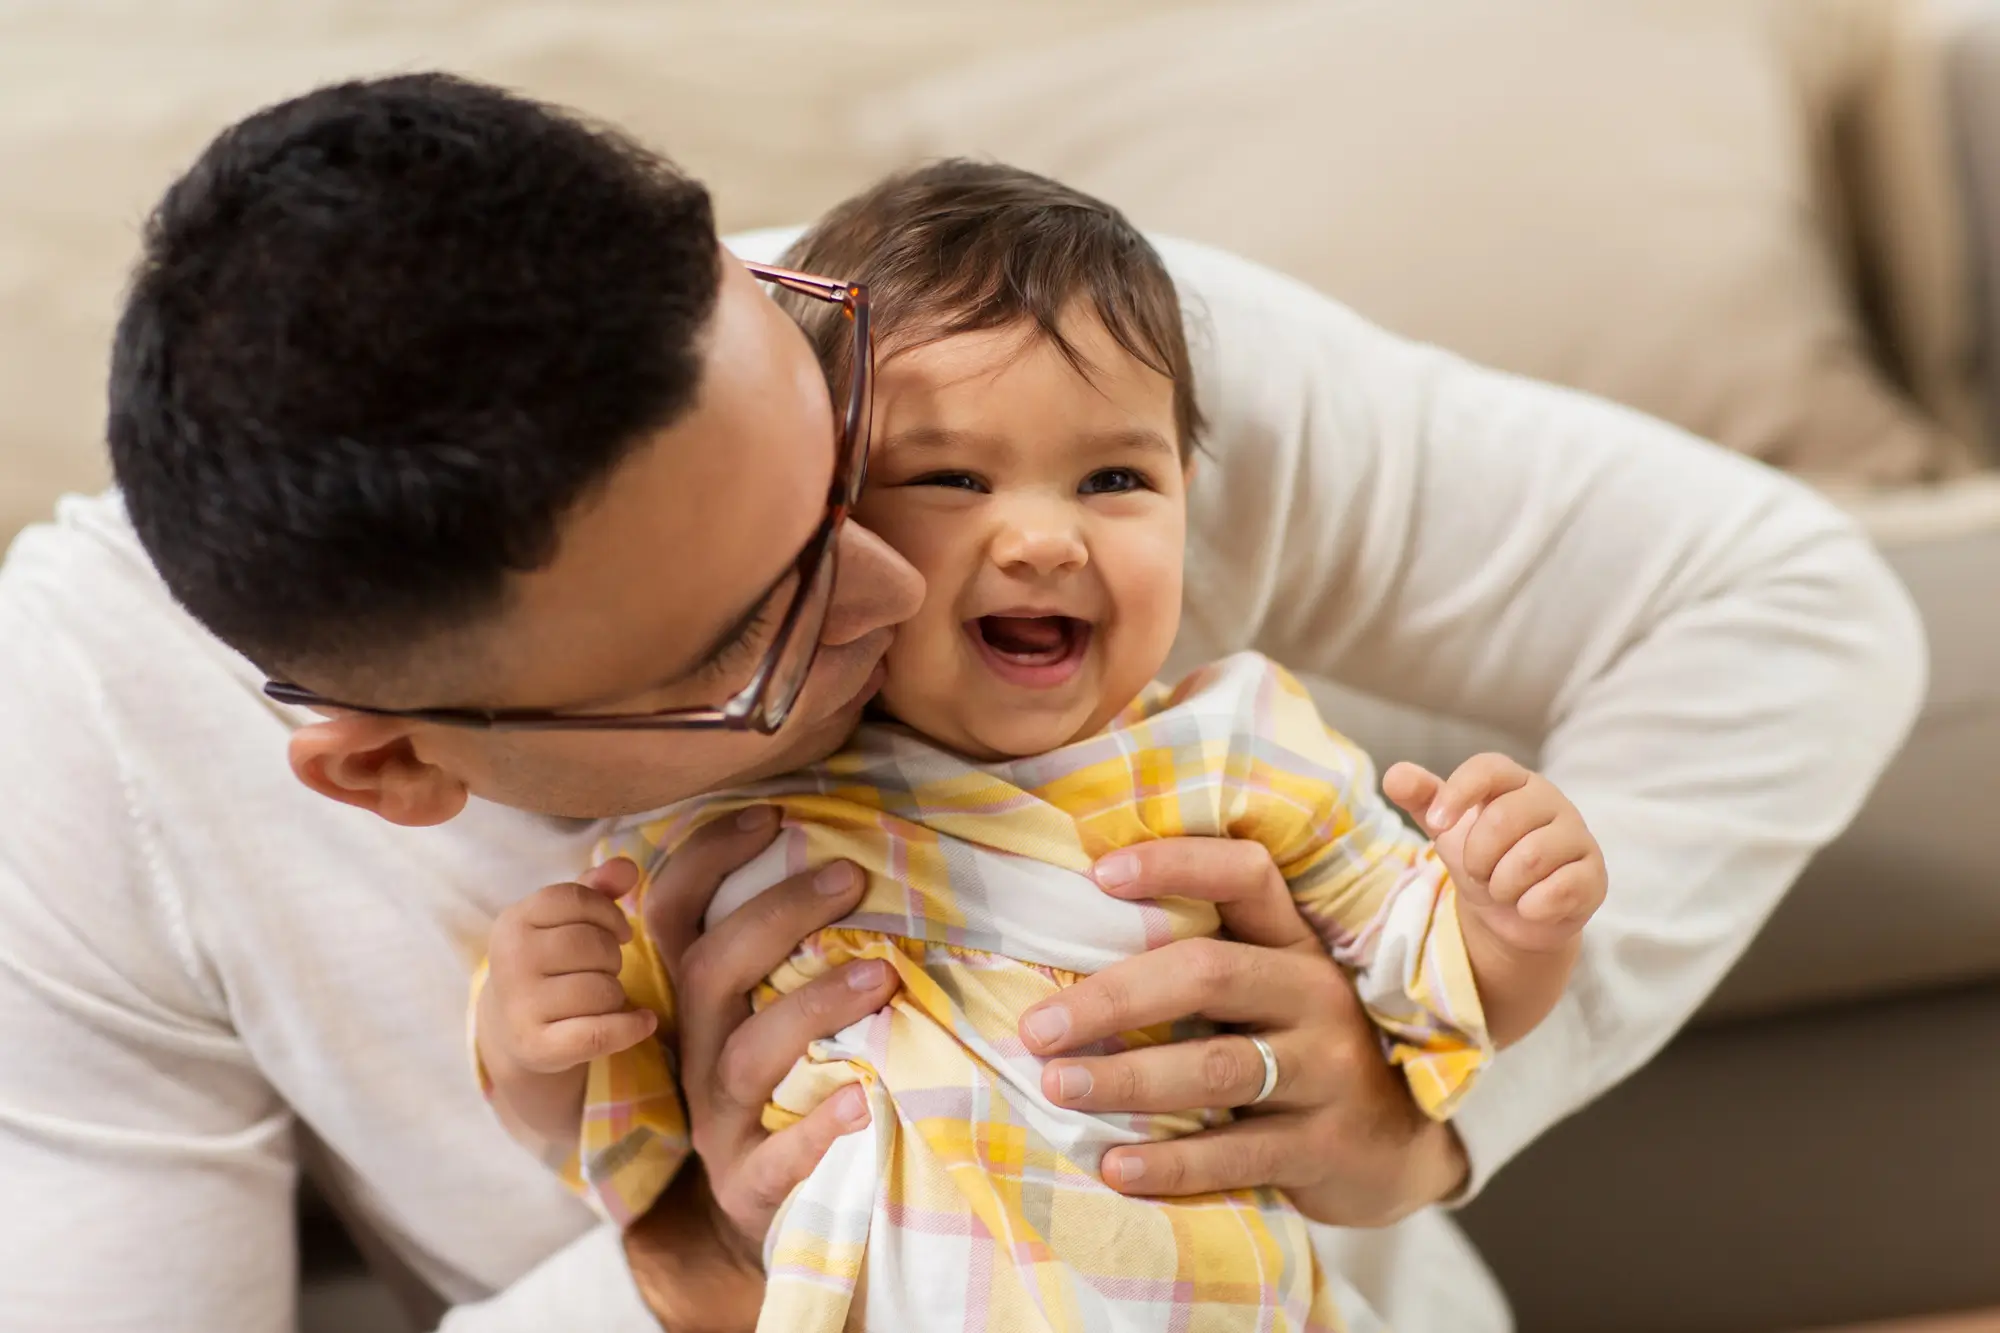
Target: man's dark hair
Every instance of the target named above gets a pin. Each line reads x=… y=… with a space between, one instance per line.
x=957 y=246
x=381 y=340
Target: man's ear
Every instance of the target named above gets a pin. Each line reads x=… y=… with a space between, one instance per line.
x=371 y=762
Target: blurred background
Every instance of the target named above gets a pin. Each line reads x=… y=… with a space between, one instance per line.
x=1774 y=222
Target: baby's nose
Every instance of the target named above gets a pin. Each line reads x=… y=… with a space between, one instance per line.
x=1043 y=546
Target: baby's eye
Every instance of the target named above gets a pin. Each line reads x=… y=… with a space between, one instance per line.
x=1113 y=481
x=955 y=481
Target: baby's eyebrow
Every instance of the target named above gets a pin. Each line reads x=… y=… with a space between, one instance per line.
x=942 y=437
x=938 y=437
x=1140 y=438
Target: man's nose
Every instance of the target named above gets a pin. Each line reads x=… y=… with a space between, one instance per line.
x=1038 y=537
x=874 y=588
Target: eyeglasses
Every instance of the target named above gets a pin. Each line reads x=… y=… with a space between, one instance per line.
x=763 y=704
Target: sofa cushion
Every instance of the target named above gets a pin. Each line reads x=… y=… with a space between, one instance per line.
x=1903 y=516
x=1872 y=84
x=1909 y=897
x=1620 y=196
x=1798 y=1173
x=1973 y=65
x=752 y=97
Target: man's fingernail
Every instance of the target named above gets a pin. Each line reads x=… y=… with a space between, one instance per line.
x=1129 y=1169
x=1116 y=869
x=836 y=879
x=756 y=819
x=1436 y=817
x=1047 y=1026
x=853 y=1110
x=868 y=975
x=1073 y=1082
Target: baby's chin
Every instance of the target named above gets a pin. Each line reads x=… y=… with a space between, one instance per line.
x=988 y=740
x=1023 y=741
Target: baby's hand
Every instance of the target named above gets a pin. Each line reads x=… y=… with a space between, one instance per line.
x=552 y=999
x=1516 y=848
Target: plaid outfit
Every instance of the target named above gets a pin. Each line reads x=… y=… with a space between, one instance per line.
x=971 y=1201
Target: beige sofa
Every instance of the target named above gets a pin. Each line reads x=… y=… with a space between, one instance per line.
x=1774 y=221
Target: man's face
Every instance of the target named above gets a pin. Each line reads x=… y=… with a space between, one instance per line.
x=652 y=574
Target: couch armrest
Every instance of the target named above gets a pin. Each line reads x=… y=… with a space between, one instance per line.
x=1873 y=86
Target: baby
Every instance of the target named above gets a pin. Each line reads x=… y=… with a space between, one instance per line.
x=1034 y=425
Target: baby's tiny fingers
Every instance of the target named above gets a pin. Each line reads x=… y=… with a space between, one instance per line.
x=1569 y=894
x=1413 y=788
x=578 y=947
x=574 y=995
x=613 y=878
x=575 y=1041
x=1534 y=856
x=566 y=904
x=1478 y=781
x=1503 y=824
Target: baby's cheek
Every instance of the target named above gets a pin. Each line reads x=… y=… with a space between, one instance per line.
x=1153 y=619
x=924 y=536
x=919 y=689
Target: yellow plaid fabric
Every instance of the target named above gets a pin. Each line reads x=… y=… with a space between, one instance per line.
x=971 y=1201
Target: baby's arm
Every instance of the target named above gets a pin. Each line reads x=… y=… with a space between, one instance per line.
x=551 y=1002
x=1449 y=964
x=1528 y=874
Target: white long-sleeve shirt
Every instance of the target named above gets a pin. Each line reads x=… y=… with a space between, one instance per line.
x=199 y=959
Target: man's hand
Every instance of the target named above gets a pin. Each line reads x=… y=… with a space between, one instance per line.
x=1518 y=851
x=1340 y=1133
x=691 y=1264
x=732 y=1060
x=552 y=999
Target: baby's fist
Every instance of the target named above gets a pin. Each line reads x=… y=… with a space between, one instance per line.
x=1517 y=849
x=552 y=999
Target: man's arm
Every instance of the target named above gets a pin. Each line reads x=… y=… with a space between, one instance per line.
x=1715 y=663
x=151 y=1165
x=148 y=1165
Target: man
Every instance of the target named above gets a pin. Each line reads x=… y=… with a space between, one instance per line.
x=446 y=410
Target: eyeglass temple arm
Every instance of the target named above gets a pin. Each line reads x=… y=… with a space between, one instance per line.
x=804 y=283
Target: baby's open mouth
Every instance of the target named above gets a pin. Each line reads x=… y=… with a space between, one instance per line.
x=1032 y=640
x=1032 y=650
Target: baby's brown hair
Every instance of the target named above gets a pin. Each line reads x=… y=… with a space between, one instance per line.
x=958 y=246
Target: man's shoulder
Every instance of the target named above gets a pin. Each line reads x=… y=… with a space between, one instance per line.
x=83 y=629
x=104 y=675
x=1224 y=275
x=1227 y=296
x=76 y=566
x=78 y=595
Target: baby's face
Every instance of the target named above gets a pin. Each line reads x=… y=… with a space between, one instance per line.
x=1047 y=511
